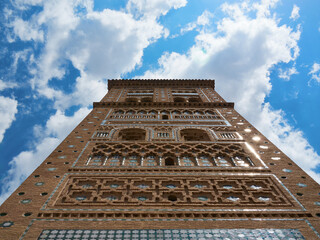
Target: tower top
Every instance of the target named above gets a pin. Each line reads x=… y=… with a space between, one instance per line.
x=172 y=83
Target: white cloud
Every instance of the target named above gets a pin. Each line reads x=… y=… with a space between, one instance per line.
x=203 y=20
x=23 y=165
x=288 y=139
x=286 y=74
x=57 y=128
x=105 y=44
x=240 y=55
x=100 y=45
x=8 y=110
x=315 y=72
x=295 y=13
x=60 y=125
x=25 y=31
x=6 y=84
x=153 y=8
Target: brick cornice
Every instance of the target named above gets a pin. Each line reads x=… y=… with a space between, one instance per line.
x=170 y=83
x=164 y=104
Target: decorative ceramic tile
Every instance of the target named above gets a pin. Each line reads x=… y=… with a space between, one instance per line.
x=6 y=224
x=177 y=234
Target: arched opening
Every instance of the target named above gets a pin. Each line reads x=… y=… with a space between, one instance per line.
x=142 y=112
x=132 y=160
x=165 y=117
x=132 y=134
x=114 y=160
x=187 y=161
x=194 y=135
x=130 y=112
x=172 y=198
x=204 y=160
x=179 y=99
x=153 y=112
x=169 y=161
x=150 y=161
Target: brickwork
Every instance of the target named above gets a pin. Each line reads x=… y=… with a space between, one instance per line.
x=164 y=159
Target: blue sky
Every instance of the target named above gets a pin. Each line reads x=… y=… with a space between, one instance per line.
x=57 y=55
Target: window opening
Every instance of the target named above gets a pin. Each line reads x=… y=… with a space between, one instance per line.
x=169 y=162
x=194 y=135
x=172 y=198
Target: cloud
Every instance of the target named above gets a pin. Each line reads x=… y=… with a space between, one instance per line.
x=240 y=55
x=315 y=72
x=23 y=165
x=26 y=31
x=6 y=84
x=47 y=138
x=153 y=8
x=289 y=140
x=203 y=20
x=8 y=110
x=286 y=74
x=295 y=13
x=100 y=45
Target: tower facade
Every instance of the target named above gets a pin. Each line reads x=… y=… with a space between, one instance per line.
x=164 y=159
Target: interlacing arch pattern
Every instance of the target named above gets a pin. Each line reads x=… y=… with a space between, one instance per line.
x=161 y=154
x=165 y=114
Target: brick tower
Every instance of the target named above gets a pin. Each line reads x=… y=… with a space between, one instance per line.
x=164 y=159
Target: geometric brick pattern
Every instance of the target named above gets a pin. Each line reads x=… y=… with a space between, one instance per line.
x=217 y=191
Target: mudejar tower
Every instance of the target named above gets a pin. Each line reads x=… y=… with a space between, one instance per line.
x=164 y=159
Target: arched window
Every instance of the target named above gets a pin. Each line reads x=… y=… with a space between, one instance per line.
x=132 y=161
x=150 y=161
x=194 y=135
x=96 y=160
x=223 y=161
x=132 y=134
x=114 y=160
x=165 y=112
x=169 y=161
x=153 y=112
x=142 y=112
x=118 y=112
x=204 y=160
x=130 y=112
x=198 y=112
x=187 y=161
